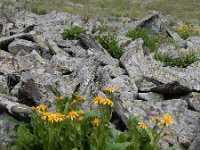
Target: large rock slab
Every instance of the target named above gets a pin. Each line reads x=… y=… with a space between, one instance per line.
x=133 y=60
x=19 y=44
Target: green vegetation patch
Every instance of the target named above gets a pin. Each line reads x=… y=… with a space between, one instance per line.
x=110 y=43
x=182 y=61
x=73 y=32
x=150 y=41
x=70 y=128
x=186 y=31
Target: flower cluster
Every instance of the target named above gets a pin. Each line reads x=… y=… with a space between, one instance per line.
x=110 y=90
x=105 y=101
x=72 y=115
x=183 y=28
x=167 y=120
x=52 y=118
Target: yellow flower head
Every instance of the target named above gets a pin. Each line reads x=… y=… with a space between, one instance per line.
x=61 y=98
x=72 y=115
x=45 y=115
x=80 y=113
x=59 y=117
x=142 y=125
x=98 y=100
x=74 y=102
x=80 y=118
x=110 y=90
x=167 y=120
x=33 y=108
x=41 y=108
x=81 y=98
x=107 y=101
x=96 y=122
x=52 y=118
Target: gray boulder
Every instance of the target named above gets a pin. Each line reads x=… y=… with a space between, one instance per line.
x=19 y=44
x=133 y=60
x=150 y=96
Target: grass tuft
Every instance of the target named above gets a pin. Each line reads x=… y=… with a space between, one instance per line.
x=110 y=43
x=73 y=32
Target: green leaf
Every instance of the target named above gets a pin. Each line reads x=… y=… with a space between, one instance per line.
x=118 y=146
x=24 y=137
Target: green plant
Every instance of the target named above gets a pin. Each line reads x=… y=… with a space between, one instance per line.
x=186 y=31
x=110 y=43
x=73 y=32
x=3 y=89
x=182 y=61
x=70 y=128
x=150 y=41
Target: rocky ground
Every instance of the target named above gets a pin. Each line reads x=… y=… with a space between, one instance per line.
x=34 y=58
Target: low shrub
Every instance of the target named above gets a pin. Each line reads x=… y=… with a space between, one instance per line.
x=182 y=61
x=70 y=128
x=150 y=41
x=73 y=32
x=186 y=31
x=110 y=43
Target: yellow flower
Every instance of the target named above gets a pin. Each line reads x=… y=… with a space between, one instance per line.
x=41 y=107
x=45 y=115
x=80 y=118
x=80 y=113
x=98 y=100
x=108 y=102
x=81 y=98
x=72 y=115
x=110 y=90
x=61 y=98
x=142 y=125
x=167 y=120
x=59 y=117
x=51 y=118
x=96 y=122
x=74 y=102
x=33 y=108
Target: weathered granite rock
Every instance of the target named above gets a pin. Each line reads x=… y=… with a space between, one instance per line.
x=150 y=96
x=133 y=60
x=76 y=51
x=10 y=105
x=19 y=44
x=8 y=131
x=102 y=57
x=194 y=101
x=193 y=43
x=1 y=27
x=6 y=62
x=5 y=41
x=153 y=23
x=125 y=87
